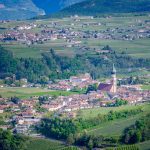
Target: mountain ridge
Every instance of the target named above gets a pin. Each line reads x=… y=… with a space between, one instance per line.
x=20 y=9
x=91 y=7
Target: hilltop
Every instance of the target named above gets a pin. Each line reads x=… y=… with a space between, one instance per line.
x=25 y=9
x=94 y=7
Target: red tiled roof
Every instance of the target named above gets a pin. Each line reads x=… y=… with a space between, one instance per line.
x=104 y=87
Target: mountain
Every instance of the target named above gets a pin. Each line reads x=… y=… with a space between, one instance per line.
x=51 y=6
x=18 y=9
x=24 y=9
x=93 y=7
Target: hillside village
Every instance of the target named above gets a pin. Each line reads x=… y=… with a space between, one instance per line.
x=28 y=112
x=74 y=31
x=74 y=75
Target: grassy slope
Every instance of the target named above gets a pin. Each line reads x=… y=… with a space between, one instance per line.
x=89 y=113
x=91 y=7
x=146 y=87
x=44 y=144
x=144 y=145
x=116 y=127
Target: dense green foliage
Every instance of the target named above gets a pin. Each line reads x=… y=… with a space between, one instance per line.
x=120 y=102
x=9 y=141
x=96 y=7
x=53 y=66
x=138 y=132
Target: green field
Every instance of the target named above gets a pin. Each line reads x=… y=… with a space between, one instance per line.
x=44 y=144
x=144 y=145
x=146 y=87
x=28 y=92
x=35 y=51
x=136 y=48
x=90 y=113
x=116 y=127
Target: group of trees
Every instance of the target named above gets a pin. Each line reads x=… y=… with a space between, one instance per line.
x=91 y=88
x=8 y=141
x=131 y=80
x=69 y=129
x=52 y=66
x=138 y=132
x=120 y=102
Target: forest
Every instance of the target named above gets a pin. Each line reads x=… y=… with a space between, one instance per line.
x=54 y=66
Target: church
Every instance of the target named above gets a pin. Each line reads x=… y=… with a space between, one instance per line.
x=109 y=87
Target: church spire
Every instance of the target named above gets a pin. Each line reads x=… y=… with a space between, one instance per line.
x=114 y=79
x=114 y=70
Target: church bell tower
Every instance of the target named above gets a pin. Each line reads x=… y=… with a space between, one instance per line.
x=114 y=80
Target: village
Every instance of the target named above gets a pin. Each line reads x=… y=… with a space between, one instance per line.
x=26 y=113
x=73 y=32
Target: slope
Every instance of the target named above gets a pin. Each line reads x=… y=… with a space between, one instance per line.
x=93 y=7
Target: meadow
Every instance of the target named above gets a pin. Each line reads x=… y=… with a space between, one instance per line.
x=136 y=48
x=144 y=145
x=47 y=144
x=31 y=92
x=113 y=128
x=146 y=87
x=90 y=113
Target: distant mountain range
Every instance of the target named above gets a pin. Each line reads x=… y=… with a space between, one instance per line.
x=24 y=9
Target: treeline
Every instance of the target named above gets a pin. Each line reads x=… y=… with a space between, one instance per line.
x=52 y=66
x=8 y=141
x=70 y=129
x=138 y=132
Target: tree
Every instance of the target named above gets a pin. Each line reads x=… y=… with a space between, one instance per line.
x=90 y=144
x=91 y=88
x=15 y=100
x=137 y=136
x=107 y=47
x=70 y=139
x=8 y=141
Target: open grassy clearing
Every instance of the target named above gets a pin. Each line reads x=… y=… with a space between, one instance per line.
x=44 y=144
x=28 y=92
x=35 y=51
x=146 y=87
x=136 y=48
x=116 y=127
x=144 y=145
x=89 y=113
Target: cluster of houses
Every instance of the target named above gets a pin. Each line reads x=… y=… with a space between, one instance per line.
x=26 y=112
x=80 y=82
x=96 y=99
x=38 y=32
x=24 y=115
